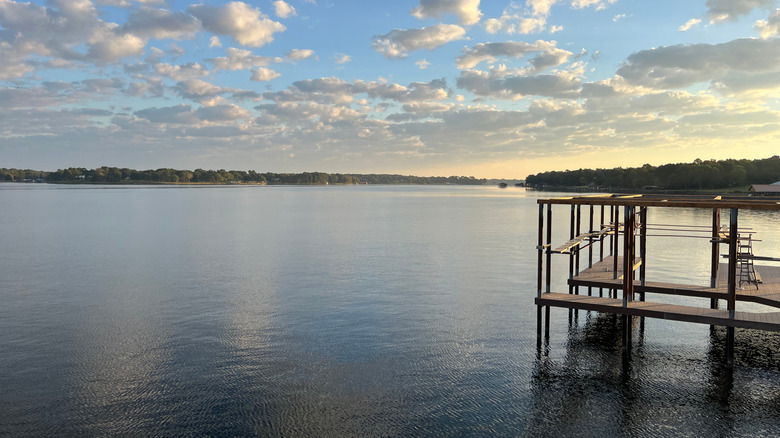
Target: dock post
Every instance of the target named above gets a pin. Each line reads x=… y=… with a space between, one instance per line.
x=628 y=273
x=732 y=297
x=548 y=259
x=590 y=245
x=643 y=259
x=601 y=245
x=601 y=239
x=715 y=251
x=571 y=251
x=571 y=259
x=577 y=258
x=539 y=267
x=614 y=227
x=614 y=251
x=642 y=249
x=577 y=255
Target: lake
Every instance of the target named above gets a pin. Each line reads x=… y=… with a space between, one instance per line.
x=341 y=311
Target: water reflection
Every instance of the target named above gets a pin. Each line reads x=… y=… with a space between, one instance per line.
x=662 y=389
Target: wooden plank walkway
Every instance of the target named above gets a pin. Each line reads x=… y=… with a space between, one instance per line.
x=768 y=292
x=701 y=315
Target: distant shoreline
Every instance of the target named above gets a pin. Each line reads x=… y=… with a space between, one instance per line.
x=116 y=175
x=168 y=183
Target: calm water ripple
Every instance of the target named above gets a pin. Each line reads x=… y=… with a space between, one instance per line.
x=338 y=311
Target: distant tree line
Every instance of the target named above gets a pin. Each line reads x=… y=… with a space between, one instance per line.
x=21 y=174
x=107 y=174
x=698 y=175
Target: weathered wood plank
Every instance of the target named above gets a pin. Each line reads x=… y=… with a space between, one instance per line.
x=674 y=312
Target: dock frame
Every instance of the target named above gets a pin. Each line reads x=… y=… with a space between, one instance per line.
x=615 y=271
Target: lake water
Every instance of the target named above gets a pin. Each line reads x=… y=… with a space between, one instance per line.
x=340 y=311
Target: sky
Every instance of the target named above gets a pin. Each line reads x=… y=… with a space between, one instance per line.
x=493 y=89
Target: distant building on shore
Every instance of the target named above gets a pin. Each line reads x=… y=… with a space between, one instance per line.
x=766 y=189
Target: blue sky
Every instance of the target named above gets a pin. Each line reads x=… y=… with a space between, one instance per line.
x=425 y=87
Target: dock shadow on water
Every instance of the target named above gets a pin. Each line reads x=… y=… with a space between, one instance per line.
x=660 y=390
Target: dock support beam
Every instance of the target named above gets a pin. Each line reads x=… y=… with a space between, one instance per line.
x=715 y=253
x=732 y=296
x=539 y=267
x=590 y=246
x=628 y=273
x=614 y=249
x=642 y=248
x=547 y=273
x=601 y=246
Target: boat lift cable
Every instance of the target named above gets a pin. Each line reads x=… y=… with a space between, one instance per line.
x=708 y=231
x=679 y=229
x=680 y=235
x=706 y=227
x=687 y=236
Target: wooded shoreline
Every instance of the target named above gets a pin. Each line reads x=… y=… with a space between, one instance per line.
x=114 y=175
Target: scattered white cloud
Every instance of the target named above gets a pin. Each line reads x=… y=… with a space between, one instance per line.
x=245 y=24
x=183 y=72
x=689 y=24
x=178 y=114
x=399 y=42
x=549 y=55
x=284 y=9
x=299 y=54
x=335 y=90
x=515 y=24
x=680 y=66
x=184 y=114
x=108 y=46
x=161 y=24
x=541 y=7
x=200 y=91
x=240 y=59
x=533 y=18
x=215 y=42
x=176 y=51
x=422 y=64
x=467 y=11
x=222 y=113
x=342 y=58
x=730 y=10
x=770 y=27
x=502 y=83
x=146 y=87
x=599 y=5
x=264 y=74
x=128 y=3
x=618 y=17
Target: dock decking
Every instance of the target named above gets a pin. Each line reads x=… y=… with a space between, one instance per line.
x=768 y=293
x=702 y=315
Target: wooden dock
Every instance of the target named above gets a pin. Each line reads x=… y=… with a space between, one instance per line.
x=623 y=276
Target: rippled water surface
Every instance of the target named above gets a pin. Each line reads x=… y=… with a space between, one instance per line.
x=340 y=311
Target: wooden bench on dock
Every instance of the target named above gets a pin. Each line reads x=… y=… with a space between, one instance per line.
x=590 y=237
